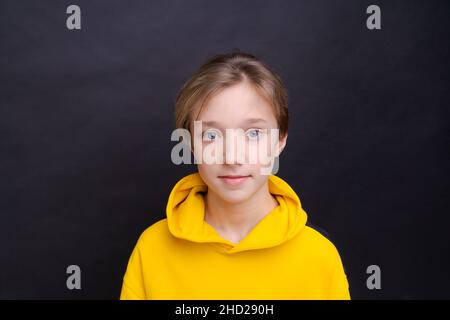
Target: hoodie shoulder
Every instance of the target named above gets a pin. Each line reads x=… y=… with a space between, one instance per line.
x=327 y=252
x=319 y=243
x=319 y=232
x=155 y=233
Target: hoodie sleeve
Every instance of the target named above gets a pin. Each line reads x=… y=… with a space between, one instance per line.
x=133 y=282
x=339 y=287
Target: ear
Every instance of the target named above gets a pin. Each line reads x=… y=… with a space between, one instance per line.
x=281 y=144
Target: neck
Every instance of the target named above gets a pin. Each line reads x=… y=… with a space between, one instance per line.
x=233 y=221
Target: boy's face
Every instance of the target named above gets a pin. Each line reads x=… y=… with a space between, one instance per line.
x=242 y=171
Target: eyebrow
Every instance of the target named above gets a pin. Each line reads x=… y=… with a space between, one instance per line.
x=250 y=121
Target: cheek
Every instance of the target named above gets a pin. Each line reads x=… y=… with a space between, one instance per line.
x=208 y=152
x=203 y=169
x=259 y=153
x=207 y=172
x=197 y=146
x=260 y=181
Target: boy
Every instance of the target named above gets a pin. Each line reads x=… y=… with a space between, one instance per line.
x=232 y=231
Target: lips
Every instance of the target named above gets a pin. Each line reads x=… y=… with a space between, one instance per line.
x=234 y=179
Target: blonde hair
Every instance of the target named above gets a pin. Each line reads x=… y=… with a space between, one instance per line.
x=226 y=70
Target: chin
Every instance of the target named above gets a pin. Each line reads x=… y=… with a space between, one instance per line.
x=234 y=196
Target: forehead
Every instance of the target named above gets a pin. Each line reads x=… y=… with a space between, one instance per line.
x=237 y=105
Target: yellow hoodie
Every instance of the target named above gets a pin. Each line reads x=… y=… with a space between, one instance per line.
x=183 y=257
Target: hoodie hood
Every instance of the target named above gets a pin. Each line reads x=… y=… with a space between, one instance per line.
x=186 y=211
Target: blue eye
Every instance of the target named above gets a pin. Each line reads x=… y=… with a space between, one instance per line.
x=210 y=135
x=253 y=134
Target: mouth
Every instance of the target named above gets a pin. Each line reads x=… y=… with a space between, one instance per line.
x=234 y=179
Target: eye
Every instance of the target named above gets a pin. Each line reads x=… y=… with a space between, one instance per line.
x=253 y=134
x=211 y=135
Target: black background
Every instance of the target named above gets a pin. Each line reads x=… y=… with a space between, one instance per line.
x=86 y=118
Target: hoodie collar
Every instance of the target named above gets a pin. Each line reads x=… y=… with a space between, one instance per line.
x=186 y=211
